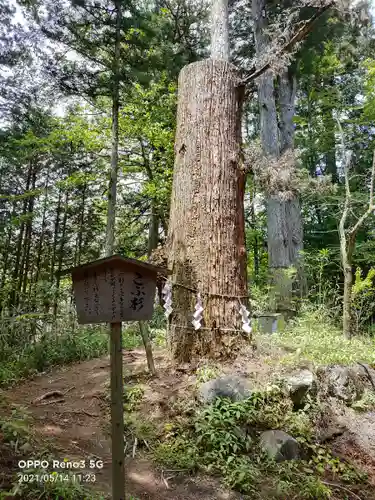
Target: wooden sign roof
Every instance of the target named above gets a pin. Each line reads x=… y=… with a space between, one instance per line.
x=114 y=289
x=117 y=261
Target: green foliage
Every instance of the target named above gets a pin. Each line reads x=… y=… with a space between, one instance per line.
x=179 y=452
x=70 y=488
x=314 y=336
x=363 y=299
x=15 y=430
x=222 y=439
x=133 y=397
x=15 y=433
x=50 y=350
x=205 y=373
x=131 y=337
x=322 y=460
x=366 y=403
x=260 y=300
x=143 y=429
x=369 y=107
x=317 y=267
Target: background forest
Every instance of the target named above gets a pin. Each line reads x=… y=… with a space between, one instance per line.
x=93 y=162
x=62 y=72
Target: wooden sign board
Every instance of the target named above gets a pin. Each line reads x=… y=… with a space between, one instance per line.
x=113 y=290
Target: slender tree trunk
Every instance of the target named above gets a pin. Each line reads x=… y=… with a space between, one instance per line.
x=61 y=255
x=14 y=296
x=54 y=249
x=42 y=231
x=206 y=238
x=347 y=246
x=329 y=123
x=145 y=334
x=254 y=228
x=55 y=236
x=80 y=228
x=153 y=235
x=28 y=239
x=347 y=302
x=112 y=189
x=6 y=255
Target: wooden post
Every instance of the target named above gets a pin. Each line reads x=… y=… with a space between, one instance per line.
x=113 y=290
x=146 y=341
x=117 y=414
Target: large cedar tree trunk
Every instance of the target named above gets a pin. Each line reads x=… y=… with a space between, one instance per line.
x=206 y=238
x=287 y=105
x=284 y=223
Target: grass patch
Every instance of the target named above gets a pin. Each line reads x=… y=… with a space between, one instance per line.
x=366 y=403
x=314 y=336
x=22 y=362
x=50 y=485
x=206 y=373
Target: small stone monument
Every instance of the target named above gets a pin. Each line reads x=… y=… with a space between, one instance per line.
x=271 y=323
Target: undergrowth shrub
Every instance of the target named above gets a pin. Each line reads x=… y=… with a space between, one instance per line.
x=223 y=439
x=18 y=362
x=314 y=336
x=32 y=343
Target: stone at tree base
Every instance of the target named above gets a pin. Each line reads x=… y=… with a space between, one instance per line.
x=366 y=375
x=299 y=384
x=279 y=445
x=342 y=383
x=230 y=386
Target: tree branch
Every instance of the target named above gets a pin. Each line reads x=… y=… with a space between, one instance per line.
x=345 y=212
x=371 y=206
x=347 y=159
x=297 y=37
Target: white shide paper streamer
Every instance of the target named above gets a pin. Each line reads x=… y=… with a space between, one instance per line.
x=167 y=296
x=198 y=313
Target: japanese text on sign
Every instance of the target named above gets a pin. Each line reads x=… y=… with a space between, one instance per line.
x=114 y=295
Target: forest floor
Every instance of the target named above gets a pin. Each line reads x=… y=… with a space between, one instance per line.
x=74 y=421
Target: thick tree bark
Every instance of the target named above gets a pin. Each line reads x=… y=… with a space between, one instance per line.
x=277 y=226
x=206 y=238
x=112 y=189
x=219 y=30
x=284 y=222
x=287 y=96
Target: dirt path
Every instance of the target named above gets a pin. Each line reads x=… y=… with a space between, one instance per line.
x=75 y=424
